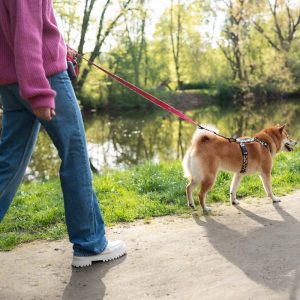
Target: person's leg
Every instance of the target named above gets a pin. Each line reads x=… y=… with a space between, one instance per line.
x=18 y=136
x=84 y=221
x=83 y=217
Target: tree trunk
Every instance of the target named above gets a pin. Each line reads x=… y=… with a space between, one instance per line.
x=176 y=45
x=89 y=4
x=100 y=39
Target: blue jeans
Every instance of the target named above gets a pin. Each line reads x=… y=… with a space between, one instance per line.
x=19 y=134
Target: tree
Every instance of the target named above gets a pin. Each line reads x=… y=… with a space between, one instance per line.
x=176 y=37
x=286 y=24
x=102 y=33
x=88 y=8
x=67 y=11
x=235 y=31
x=135 y=24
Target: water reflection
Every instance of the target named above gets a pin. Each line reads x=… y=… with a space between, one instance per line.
x=128 y=139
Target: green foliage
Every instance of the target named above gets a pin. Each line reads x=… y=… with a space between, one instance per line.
x=127 y=99
x=36 y=212
x=243 y=45
x=196 y=85
x=123 y=98
x=141 y=192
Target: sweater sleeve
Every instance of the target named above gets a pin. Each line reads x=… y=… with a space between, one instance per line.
x=27 y=28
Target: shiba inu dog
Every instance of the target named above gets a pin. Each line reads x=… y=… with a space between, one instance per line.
x=210 y=153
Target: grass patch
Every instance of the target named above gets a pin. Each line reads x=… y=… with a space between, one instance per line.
x=142 y=192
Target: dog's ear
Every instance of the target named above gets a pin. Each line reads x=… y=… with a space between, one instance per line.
x=281 y=128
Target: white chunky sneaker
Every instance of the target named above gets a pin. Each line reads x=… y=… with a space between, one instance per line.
x=112 y=251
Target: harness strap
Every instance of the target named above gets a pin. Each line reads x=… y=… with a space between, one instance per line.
x=245 y=158
x=242 y=143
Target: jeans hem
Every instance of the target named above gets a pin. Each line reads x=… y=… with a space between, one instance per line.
x=82 y=254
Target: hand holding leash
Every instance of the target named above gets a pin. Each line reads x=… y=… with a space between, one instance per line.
x=72 y=64
x=44 y=113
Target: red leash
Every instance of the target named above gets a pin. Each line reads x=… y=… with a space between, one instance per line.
x=140 y=92
x=144 y=94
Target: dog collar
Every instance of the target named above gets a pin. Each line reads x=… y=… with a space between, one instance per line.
x=263 y=143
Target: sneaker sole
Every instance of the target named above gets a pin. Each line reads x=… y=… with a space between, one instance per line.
x=85 y=261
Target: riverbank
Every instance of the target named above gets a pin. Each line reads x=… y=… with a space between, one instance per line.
x=130 y=101
x=140 y=192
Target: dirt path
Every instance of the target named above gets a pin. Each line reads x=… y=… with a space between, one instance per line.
x=250 y=252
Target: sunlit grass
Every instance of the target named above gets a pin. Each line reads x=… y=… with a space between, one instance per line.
x=141 y=192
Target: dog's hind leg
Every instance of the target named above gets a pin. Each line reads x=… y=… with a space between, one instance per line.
x=266 y=180
x=206 y=185
x=189 y=193
x=236 y=180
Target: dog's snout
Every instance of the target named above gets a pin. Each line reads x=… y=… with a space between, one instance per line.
x=293 y=142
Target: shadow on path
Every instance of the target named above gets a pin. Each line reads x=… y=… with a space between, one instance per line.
x=269 y=253
x=86 y=283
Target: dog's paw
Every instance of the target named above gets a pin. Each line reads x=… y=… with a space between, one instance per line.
x=192 y=205
x=276 y=200
x=235 y=202
x=206 y=210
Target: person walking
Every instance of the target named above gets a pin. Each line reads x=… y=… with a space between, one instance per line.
x=36 y=90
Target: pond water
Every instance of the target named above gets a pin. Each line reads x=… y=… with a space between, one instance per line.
x=118 y=142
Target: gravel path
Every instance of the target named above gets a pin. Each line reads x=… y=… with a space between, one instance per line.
x=248 y=252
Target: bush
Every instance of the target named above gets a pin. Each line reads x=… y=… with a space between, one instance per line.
x=228 y=93
x=126 y=99
x=197 y=86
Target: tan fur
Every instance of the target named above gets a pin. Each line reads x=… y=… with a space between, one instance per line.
x=210 y=153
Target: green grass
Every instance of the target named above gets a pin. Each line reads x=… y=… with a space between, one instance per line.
x=139 y=193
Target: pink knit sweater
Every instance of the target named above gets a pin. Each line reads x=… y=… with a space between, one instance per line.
x=31 y=48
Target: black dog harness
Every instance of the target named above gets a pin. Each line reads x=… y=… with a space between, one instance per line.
x=242 y=143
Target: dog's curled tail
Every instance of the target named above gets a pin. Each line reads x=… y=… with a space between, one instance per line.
x=202 y=134
x=188 y=162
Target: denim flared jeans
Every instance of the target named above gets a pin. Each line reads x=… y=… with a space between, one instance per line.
x=20 y=128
